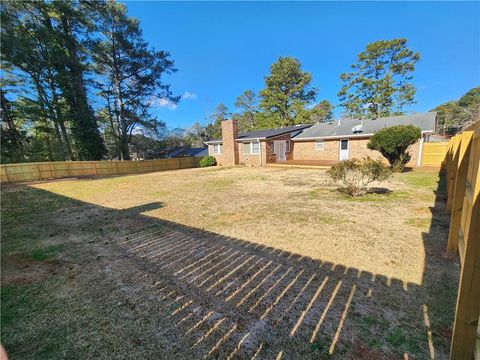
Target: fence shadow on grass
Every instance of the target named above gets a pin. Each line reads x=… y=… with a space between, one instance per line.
x=222 y=297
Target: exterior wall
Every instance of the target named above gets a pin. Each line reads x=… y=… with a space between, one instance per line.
x=270 y=157
x=305 y=150
x=252 y=160
x=218 y=157
x=230 y=146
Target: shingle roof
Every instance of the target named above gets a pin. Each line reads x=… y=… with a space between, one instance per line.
x=266 y=133
x=269 y=133
x=343 y=128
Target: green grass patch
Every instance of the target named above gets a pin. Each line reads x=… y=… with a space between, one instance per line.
x=418 y=179
x=47 y=253
x=419 y=222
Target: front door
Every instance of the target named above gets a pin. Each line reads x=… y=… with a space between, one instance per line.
x=344 y=148
x=280 y=148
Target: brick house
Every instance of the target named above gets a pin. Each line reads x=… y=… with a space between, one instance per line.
x=322 y=142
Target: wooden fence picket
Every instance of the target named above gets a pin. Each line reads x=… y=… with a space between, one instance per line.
x=63 y=169
x=462 y=168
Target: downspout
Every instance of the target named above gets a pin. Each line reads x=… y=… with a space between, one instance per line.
x=260 y=153
x=420 y=151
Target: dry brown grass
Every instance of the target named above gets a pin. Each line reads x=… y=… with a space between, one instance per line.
x=230 y=261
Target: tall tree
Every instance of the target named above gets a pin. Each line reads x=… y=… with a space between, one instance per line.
x=287 y=92
x=214 y=128
x=40 y=42
x=12 y=139
x=322 y=112
x=247 y=102
x=130 y=74
x=29 y=48
x=196 y=135
x=379 y=83
x=74 y=23
x=454 y=115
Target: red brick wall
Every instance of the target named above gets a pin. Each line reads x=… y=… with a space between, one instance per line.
x=270 y=157
x=218 y=157
x=305 y=150
x=230 y=146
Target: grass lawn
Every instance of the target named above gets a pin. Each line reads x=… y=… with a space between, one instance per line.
x=226 y=263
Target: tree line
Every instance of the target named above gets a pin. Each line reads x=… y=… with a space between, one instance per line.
x=378 y=85
x=79 y=82
x=59 y=58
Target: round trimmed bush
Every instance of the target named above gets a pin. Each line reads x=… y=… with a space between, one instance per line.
x=208 y=161
x=393 y=143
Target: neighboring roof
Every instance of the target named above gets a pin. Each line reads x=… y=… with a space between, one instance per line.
x=202 y=152
x=344 y=127
x=265 y=133
x=183 y=151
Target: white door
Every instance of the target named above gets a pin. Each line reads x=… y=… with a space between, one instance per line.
x=344 y=148
x=280 y=148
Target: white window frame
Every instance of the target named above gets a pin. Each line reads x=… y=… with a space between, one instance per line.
x=219 y=151
x=321 y=143
x=250 y=147
x=288 y=147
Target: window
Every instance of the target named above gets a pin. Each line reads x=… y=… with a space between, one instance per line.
x=288 y=146
x=217 y=149
x=246 y=149
x=319 y=145
x=256 y=148
x=251 y=148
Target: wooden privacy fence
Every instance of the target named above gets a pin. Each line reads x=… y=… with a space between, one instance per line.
x=462 y=167
x=63 y=169
x=433 y=154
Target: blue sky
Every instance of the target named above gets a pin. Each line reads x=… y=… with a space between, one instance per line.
x=224 y=48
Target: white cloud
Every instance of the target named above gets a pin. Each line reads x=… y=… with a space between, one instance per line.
x=189 y=95
x=166 y=103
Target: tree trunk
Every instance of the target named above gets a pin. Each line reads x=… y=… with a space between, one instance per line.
x=84 y=128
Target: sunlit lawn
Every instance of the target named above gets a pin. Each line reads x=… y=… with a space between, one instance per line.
x=226 y=262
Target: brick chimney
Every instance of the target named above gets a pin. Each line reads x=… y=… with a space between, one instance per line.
x=230 y=146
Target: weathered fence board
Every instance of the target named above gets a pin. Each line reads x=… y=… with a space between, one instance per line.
x=433 y=154
x=462 y=166
x=63 y=169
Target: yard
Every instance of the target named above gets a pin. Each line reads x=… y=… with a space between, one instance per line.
x=229 y=263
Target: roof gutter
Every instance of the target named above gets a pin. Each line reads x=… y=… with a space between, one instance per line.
x=211 y=142
x=249 y=139
x=345 y=136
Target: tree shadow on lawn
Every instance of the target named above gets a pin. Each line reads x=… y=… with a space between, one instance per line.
x=220 y=297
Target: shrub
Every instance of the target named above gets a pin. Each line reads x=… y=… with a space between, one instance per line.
x=208 y=161
x=356 y=174
x=393 y=142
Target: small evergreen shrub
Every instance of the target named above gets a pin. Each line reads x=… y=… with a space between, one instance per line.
x=356 y=174
x=208 y=161
x=393 y=143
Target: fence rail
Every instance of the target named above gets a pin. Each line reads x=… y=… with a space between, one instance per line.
x=63 y=169
x=462 y=169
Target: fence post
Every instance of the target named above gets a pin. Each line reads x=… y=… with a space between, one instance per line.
x=458 y=193
x=468 y=298
x=452 y=171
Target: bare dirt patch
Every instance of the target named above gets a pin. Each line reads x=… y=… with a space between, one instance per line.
x=20 y=270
